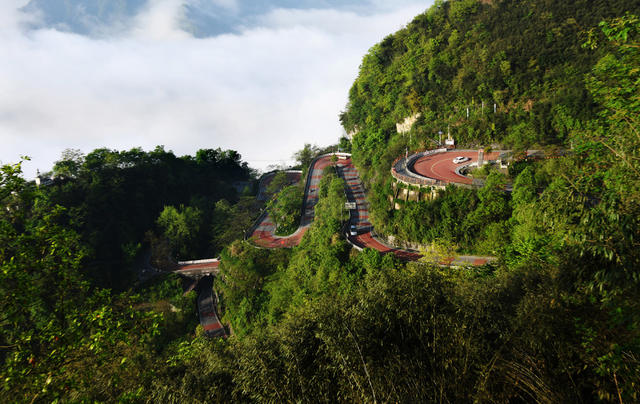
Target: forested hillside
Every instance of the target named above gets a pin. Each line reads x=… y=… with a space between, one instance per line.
x=524 y=56
x=502 y=74
x=555 y=319
x=73 y=297
x=115 y=197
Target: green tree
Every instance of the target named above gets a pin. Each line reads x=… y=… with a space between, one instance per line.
x=304 y=156
x=279 y=181
x=181 y=226
x=244 y=270
x=56 y=334
x=530 y=242
x=488 y=221
x=230 y=222
x=69 y=164
x=439 y=252
x=316 y=264
x=284 y=209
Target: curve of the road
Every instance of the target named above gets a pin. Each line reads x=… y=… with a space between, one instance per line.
x=434 y=167
x=440 y=166
x=263 y=234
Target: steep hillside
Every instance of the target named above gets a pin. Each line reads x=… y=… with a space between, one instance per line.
x=502 y=72
x=526 y=57
x=556 y=319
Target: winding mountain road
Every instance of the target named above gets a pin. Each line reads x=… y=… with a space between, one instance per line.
x=263 y=234
x=441 y=167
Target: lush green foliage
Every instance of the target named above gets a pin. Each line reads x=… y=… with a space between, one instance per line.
x=181 y=227
x=526 y=57
x=58 y=337
x=115 y=197
x=556 y=320
x=230 y=222
x=259 y=286
x=284 y=208
x=62 y=334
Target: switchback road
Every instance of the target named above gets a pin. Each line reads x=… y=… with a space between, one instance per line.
x=264 y=234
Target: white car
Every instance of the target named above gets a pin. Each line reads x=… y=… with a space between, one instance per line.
x=460 y=159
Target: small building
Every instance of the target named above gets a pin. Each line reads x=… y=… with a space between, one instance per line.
x=43 y=179
x=450 y=143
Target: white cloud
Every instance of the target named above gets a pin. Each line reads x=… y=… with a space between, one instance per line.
x=11 y=18
x=264 y=92
x=160 y=20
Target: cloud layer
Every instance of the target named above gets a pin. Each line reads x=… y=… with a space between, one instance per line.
x=265 y=91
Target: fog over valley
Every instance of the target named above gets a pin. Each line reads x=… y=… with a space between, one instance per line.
x=259 y=77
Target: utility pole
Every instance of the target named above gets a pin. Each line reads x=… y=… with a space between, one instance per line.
x=406 y=158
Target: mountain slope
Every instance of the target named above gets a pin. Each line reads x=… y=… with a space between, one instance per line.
x=523 y=56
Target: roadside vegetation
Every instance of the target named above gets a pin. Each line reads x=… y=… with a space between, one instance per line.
x=451 y=65
x=284 y=207
x=556 y=319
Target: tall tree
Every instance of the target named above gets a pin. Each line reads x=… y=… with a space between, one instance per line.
x=181 y=226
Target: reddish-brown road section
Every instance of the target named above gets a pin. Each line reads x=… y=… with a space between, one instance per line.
x=367 y=240
x=441 y=167
x=264 y=235
x=210 y=265
x=204 y=267
x=207 y=311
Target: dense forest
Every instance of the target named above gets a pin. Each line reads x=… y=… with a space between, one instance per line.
x=509 y=75
x=555 y=319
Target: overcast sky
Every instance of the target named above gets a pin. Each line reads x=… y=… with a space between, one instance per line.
x=264 y=83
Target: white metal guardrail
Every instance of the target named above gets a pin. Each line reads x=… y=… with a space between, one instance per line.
x=401 y=169
x=203 y=261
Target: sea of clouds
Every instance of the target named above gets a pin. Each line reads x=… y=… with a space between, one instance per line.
x=264 y=89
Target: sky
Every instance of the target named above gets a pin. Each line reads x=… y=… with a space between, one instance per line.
x=260 y=77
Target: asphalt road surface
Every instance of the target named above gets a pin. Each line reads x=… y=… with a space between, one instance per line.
x=441 y=167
